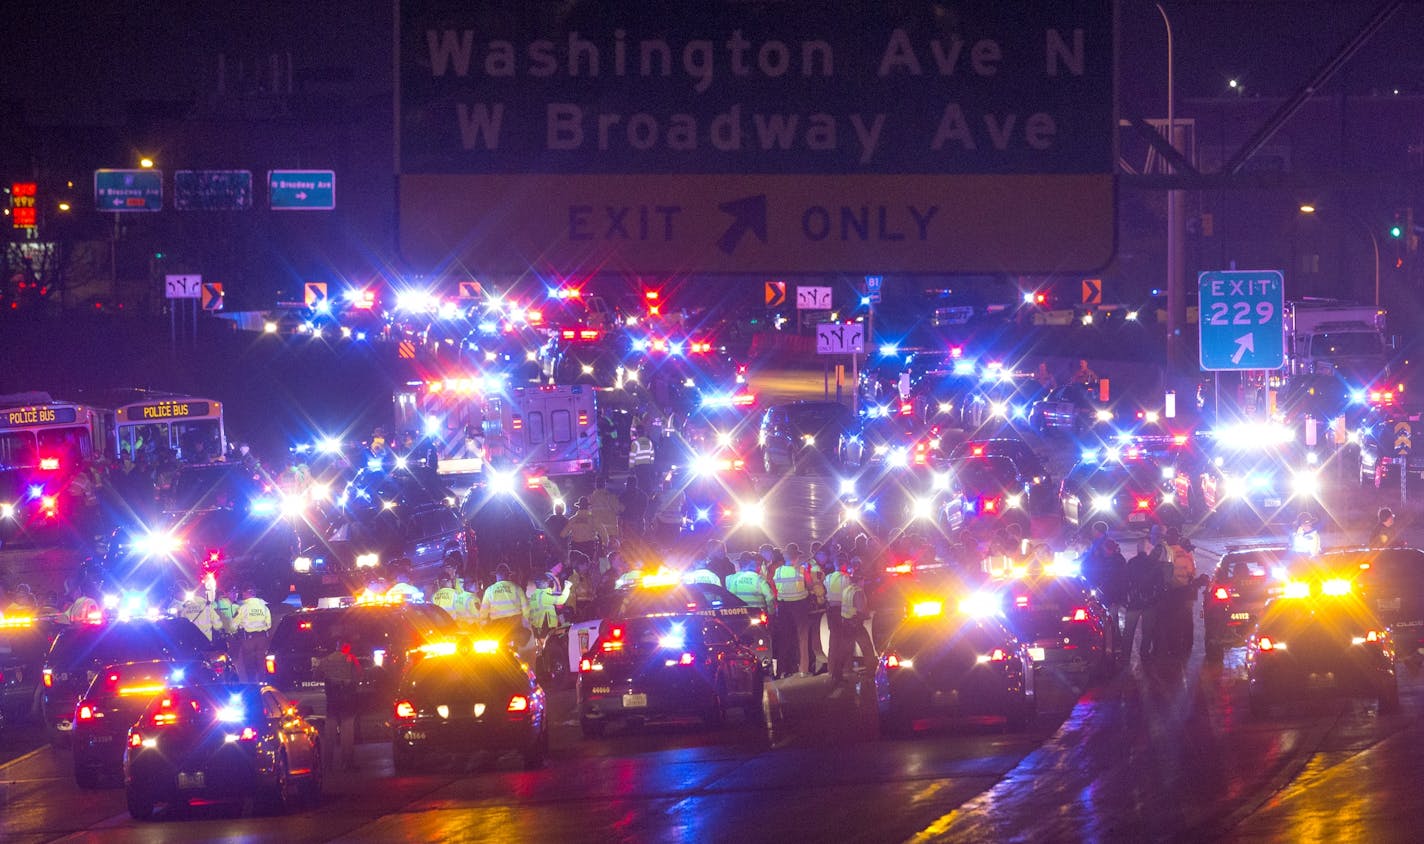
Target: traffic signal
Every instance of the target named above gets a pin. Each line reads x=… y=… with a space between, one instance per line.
x=1396 y=231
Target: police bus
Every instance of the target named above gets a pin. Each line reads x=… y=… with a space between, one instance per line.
x=43 y=444
x=190 y=427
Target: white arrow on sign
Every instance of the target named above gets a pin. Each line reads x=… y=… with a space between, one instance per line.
x=301 y=194
x=836 y=338
x=1245 y=343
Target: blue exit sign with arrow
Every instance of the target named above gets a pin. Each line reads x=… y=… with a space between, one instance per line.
x=301 y=190
x=1241 y=323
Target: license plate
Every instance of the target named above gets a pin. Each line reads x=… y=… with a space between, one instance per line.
x=1241 y=616
x=1137 y=517
x=1387 y=604
x=942 y=698
x=635 y=701
x=1036 y=654
x=329 y=578
x=311 y=684
x=103 y=739
x=193 y=780
x=414 y=735
x=1320 y=681
x=1271 y=502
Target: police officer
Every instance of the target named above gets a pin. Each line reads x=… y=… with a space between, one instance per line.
x=793 y=612
x=197 y=608
x=444 y=596
x=703 y=574
x=467 y=604
x=402 y=590
x=582 y=530
x=606 y=507
x=226 y=607
x=254 y=623
x=748 y=584
x=835 y=587
x=85 y=609
x=544 y=602
x=640 y=460
x=855 y=612
x=342 y=672
x=504 y=607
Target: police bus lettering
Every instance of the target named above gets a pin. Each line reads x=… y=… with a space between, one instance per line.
x=40 y=416
x=173 y=409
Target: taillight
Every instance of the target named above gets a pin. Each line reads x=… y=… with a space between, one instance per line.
x=892 y=660
x=585 y=665
x=518 y=703
x=996 y=655
x=135 y=739
x=405 y=709
x=906 y=408
x=685 y=659
x=1221 y=594
x=1144 y=504
x=610 y=647
x=86 y=712
x=48 y=678
x=1372 y=636
x=271 y=661
x=1080 y=614
x=1266 y=644
x=616 y=632
x=247 y=734
x=1021 y=602
x=990 y=505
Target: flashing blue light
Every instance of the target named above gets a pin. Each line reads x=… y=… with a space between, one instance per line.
x=36 y=491
x=1357 y=396
x=374 y=464
x=488 y=327
x=964 y=367
x=889 y=349
x=263 y=506
x=176 y=675
x=847 y=486
x=640 y=345
x=1020 y=412
x=703 y=515
x=1090 y=455
x=432 y=426
x=322 y=307
x=716 y=400
x=232 y=712
x=360 y=335
x=676 y=638
x=865 y=300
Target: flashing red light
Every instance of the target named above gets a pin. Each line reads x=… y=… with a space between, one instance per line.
x=990 y=505
x=518 y=703
x=405 y=709
x=1221 y=594
x=1372 y=636
x=892 y=660
x=86 y=712
x=588 y=334
x=304 y=625
x=651 y=295
x=1144 y=504
x=906 y=408
x=583 y=418
x=585 y=665
x=534 y=317
x=247 y=734
x=685 y=659
x=1266 y=644
x=135 y=739
x=956 y=351
x=998 y=655
x=617 y=631
x=517 y=423
x=49 y=464
x=655 y=310
x=744 y=399
x=1039 y=298
x=977 y=451
x=1080 y=614
x=1179 y=439
x=700 y=347
x=1021 y=601
x=533 y=481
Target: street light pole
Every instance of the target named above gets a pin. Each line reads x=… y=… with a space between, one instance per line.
x=1176 y=218
x=1369 y=232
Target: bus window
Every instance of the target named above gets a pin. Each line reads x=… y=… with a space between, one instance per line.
x=561 y=424
x=198 y=441
x=17 y=449
x=534 y=428
x=72 y=444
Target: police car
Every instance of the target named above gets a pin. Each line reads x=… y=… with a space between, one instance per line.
x=460 y=697
x=1320 y=638
x=81 y=651
x=24 y=641
x=1245 y=579
x=115 y=698
x=214 y=742
x=1063 y=621
x=1043 y=493
x=1391 y=582
x=953 y=661
x=1120 y=486
x=1259 y=473
x=382 y=634
x=641 y=669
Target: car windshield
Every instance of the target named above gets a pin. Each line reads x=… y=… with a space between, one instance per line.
x=976 y=473
x=1347 y=344
x=1136 y=477
x=814 y=418
x=464 y=677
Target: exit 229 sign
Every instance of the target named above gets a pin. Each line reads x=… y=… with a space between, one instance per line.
x=1241 y=324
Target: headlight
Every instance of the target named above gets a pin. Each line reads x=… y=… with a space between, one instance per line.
x=808 y=439
x=367 y=561
x=1152 y=417
x=945 y=407
x=1305 y=484
x=586 y=369
x=850 y=513
x=1013 y=501
x=1102 y=502
x=1103 y=415
x=980 y=605
x=751 y=513
x=157 y=544
x=293 y=505
x=898 y=459
x=939 y=481
x=345 y=331
x=301 y=565
x=881 y=449
x=847 y=486
x=999 y=409
x=704 y=466
x=269 y=328
x=1234 y=487
x=500 y=483
x=7 y=511
x=922 y=508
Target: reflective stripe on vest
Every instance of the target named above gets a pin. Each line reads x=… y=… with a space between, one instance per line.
x=444 y=598
x=743 y=584
x=502 y=600
x=848 y=600
x=790 y=585
x=641 y=452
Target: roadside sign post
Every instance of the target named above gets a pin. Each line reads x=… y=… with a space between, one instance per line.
x=1403 y=445
x=840 y=338
x=1241 y=323
x=175 y=287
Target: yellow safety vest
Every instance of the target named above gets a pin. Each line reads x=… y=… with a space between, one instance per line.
x=640 y=453
x=790 y=585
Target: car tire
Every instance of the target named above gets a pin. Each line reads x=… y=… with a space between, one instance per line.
x=592 y=728
x=1389 y=699
x=276 y=799
x=311 y=789
x=537 y=752
x=1260 y=707
x=87 y=778
x=1021 y=717
x=752 y=708
x=140 y=804
x=404 y=760
x=716 y=714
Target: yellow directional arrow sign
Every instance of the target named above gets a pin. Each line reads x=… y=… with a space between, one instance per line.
x=1403 y=438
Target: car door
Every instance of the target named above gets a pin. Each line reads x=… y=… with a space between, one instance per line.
x=282 y=717
x=736 y=664
x=1072 y=496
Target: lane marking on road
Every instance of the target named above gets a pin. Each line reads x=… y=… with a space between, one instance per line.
x=20 y=759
